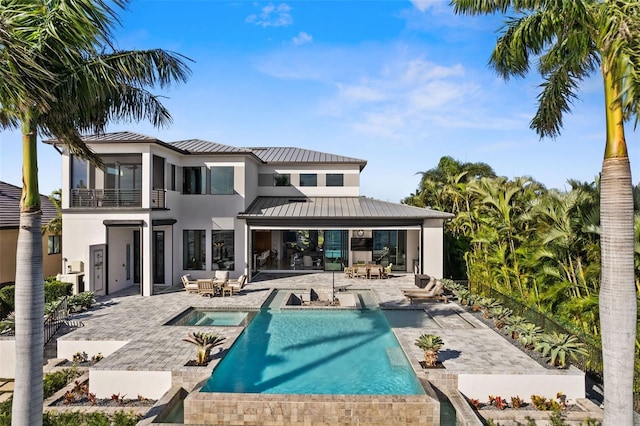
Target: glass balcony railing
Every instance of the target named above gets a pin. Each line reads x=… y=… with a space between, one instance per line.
x=96 y=198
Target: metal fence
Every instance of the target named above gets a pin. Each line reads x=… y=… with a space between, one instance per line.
x=55 y=319
x=591 y=363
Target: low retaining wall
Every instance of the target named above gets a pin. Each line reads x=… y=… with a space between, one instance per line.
x=7 y=357
x=150 y=384
x=262 y=409
x=570 y=382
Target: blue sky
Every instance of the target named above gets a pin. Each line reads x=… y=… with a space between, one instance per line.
x=397 y=83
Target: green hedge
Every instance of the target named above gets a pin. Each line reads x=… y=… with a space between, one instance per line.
x=7 y=296
x=53 y=290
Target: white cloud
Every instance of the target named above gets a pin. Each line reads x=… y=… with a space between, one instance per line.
x=272 y=16
x=423 y=5
x=302 y=38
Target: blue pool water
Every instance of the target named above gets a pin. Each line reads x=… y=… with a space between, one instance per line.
x=316 y=352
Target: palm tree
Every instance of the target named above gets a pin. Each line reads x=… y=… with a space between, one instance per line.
x=571 y=40
x=71 y=82
x=54 y=226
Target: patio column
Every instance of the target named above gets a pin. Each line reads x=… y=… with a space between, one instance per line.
x=146 y=266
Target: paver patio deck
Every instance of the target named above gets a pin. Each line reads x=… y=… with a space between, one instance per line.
x=470 y=346
x=154 y=346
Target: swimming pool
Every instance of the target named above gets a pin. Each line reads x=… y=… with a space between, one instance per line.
x=351 y=352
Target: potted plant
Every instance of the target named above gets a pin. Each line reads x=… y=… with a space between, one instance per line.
x=204 y=343
x=430 y=344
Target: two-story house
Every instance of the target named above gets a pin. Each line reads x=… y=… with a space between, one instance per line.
x=157 y=210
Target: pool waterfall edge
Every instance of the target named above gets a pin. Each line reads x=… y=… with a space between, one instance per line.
x=254 y=408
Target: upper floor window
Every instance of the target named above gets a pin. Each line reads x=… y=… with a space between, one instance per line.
x=283 y=179
x=222 y=180
x=53 y=244
x=308 y=179
x=78 y=172
x=192 y=180
x=335 y=179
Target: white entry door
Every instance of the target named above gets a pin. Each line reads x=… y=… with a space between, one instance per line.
x=97 y=253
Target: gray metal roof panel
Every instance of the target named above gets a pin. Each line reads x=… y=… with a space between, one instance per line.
x=10 y=206
x=279 y=154
x=199 y=146
x=336 y=207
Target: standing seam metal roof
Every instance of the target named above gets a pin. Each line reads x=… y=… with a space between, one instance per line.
x=335 y=207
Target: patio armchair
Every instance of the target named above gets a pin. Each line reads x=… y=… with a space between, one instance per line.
x=206 y=288
x=234 y=286
x=360 y=271
x=375 y=271
x=220 y=278
x=386 y=271
x=190 y=286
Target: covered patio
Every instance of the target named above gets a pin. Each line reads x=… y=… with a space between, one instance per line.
x=305 y=234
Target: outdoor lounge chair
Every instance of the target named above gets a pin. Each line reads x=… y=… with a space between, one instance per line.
x=234 y=286
x=436 y=293
x=191 y=286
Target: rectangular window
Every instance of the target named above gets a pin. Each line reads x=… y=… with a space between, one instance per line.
x=222 y=180
x=283 y=179
x=192 y=180
x=158 y=172
x=335 y=179
x=193 y=250
x=265 y=179
x=172 y=181
x=53 y=244
x=308 y=179
x=222 y=249
x=78 y=172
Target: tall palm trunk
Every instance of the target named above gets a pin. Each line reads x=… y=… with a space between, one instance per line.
x=29 y=293
x=618 y=310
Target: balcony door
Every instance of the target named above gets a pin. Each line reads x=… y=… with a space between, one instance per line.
x=123 y=183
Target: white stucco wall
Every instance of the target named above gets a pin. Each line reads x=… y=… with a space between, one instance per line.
x=433 y=247
x=7 y=357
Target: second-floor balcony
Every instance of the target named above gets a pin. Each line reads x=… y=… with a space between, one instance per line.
x=105 y=198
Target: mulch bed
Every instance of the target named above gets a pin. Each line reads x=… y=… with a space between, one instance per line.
x=437 y=366
x=105 y=402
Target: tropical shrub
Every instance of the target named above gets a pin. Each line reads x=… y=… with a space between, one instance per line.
x=430 y=344
x=512 y=323
x=55 y=381
x=81 y=301
x=528 y=334
x=204 y=342
x=557 y=346
x=9 y=323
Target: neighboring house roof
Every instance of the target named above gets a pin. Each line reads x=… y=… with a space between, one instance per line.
x=278 y=154
x=10 y=206
x=198 y=146
x=280 y=209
